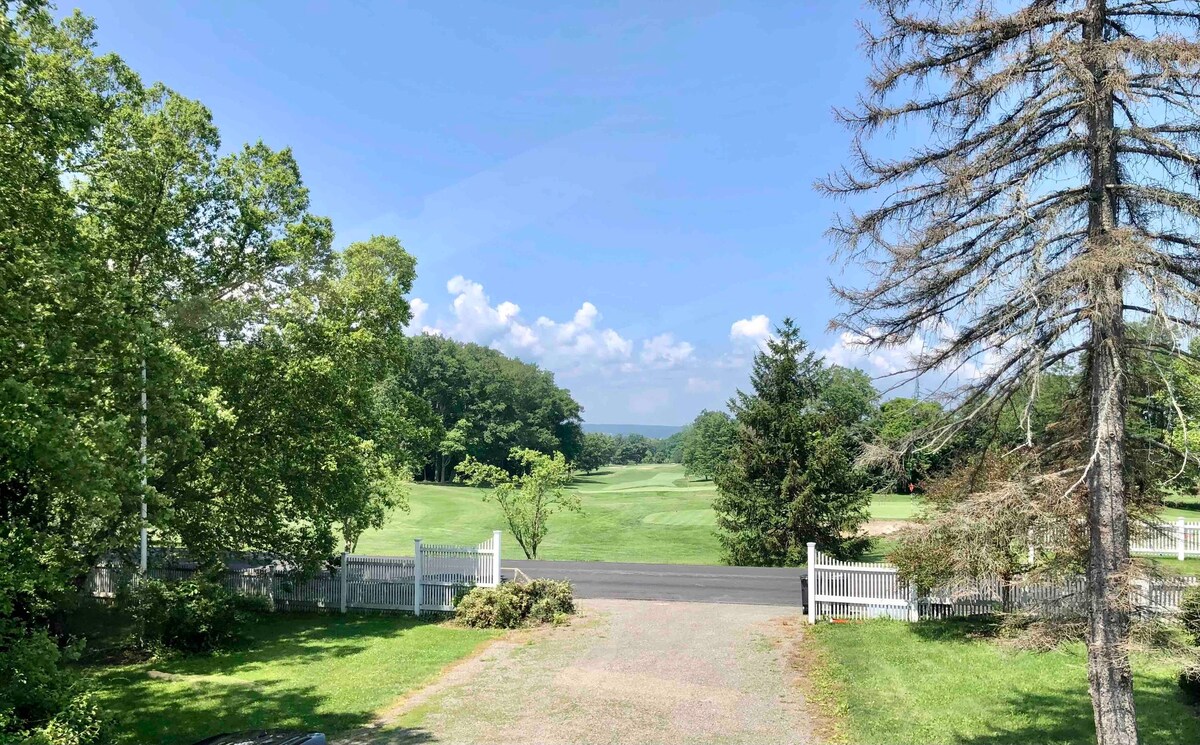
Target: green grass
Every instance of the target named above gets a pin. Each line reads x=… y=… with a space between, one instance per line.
x=881 y=546
x=936 y=682
x=893 y=507
x=320 y=672
x=1183 y=505
x=646 y=513
x=1172 y=565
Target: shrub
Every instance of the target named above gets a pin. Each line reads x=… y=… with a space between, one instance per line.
x=81 y=722
x=1189 y=611
x=1189 y=682
x=503 y=607
x=1159 y=634
x=192 y=616
x=512 y=605
x=550 y=599
x=40 y=698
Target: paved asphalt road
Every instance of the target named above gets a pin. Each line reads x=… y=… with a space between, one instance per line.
x=688 y=582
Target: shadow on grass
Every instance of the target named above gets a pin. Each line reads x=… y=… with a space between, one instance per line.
x=149 y=711
x=962 y=629
x=182 y=700
x=589 y=478
x=1066 y=717
x=302 y=636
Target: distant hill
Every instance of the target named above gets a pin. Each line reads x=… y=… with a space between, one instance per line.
x=653 y=431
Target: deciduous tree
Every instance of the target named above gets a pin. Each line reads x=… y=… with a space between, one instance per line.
x=597 y=451
x=529 y=497
x=708 y=442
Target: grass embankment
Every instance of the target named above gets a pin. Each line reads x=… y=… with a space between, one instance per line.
x=941 y=682
x=320 y=672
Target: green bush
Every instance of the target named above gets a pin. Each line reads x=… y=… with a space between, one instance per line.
x=1189 y=682
x=40 y=698
x=550 y=599
x=512 y=605
x=1189 y=611
x=192 y=616
x=81 y=722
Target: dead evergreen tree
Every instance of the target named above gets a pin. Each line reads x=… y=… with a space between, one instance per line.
x=1055 y=201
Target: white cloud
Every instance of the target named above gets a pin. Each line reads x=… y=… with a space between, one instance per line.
x=850 y=350
x=572 y=345
x=419 y=309
x=702 y=385
x=753 y=330
x=664 y=351
x=614 y=344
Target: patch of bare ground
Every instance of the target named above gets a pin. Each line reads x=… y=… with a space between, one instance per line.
x=885 y=527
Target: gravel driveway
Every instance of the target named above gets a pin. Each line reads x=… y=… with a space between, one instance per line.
x=625 y=671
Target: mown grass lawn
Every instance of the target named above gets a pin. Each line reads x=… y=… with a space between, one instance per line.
x=893 y=507
x=320 y=672
x=645 y=513
x=936 y=682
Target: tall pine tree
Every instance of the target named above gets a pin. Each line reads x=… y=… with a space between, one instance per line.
x=790 y=477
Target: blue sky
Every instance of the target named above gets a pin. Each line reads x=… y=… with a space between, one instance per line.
x=620 y=192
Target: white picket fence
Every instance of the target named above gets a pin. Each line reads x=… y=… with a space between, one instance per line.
x=432 y=579
x=1181 y=538
x=857 y=590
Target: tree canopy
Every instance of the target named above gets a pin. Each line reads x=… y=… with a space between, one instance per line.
x=791 y=478
x=484 y=404
x=129 y=242
x=707 y=443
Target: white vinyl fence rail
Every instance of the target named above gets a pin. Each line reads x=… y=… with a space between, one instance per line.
x=856 y=590
x=1180 y=538
x=432 y=579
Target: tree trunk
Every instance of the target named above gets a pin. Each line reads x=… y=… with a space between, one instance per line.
x=1110 y=679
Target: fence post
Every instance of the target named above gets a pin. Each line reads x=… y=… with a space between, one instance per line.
x=1180 y=542
x=812 y=582
x=417 y=577
x=343 y=579
x=496 y=558
x=914 y=607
